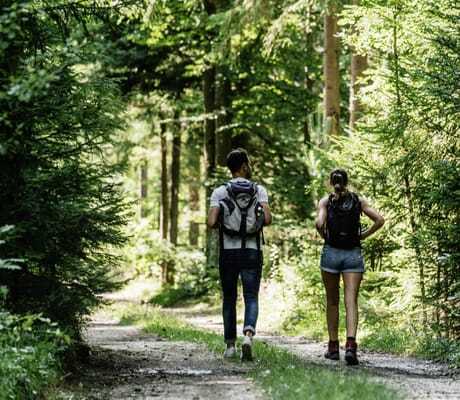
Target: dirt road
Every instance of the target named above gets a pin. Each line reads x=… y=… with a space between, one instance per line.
x=127 y=364
x=414 y=378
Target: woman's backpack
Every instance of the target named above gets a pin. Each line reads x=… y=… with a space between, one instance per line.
x=343 y=227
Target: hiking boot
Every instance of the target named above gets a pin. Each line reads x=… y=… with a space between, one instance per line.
x=246 y=349
x=333 y=350
x=230 y=352
x=350 y=352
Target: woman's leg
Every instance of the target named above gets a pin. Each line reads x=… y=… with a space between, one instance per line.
x=331 y=284
x=351 y=281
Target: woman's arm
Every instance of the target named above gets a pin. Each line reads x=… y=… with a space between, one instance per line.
x=321 y=215
x=374 y=216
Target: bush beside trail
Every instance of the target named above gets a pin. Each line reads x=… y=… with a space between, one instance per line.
x=30 y=351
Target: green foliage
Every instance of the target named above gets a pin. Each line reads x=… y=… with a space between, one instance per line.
x=146 y=250
x=389 y=339
x=440 y=349
x=170 y=296
x=10 y=264
x=392 y=339
x=406 y=148
x=149 y=254
x=58 y=114
x=30 y=348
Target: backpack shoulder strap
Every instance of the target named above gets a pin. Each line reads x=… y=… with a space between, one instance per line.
x=357 y=201
x=228 y=186
x=230 y=205
x=221 y=231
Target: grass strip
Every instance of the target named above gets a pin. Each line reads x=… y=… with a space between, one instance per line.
x=278 y=372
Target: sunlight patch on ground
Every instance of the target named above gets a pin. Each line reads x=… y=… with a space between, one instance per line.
x=137 y=290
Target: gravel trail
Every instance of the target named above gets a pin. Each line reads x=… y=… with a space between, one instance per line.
x=414 y=378
x=125 y=363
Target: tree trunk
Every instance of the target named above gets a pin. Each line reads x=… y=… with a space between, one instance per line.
x=417 y=249
x=144 y=188
x=210 y=157
x=224 y=118
x=308 y=82
x=164 y=206
x=438 y=307
x=209 y=123
x=446 y=283
x=210 y=6
x=175 y=186
x=175 y=181
x=194 y=187
x=331 y=73
x=358 y=66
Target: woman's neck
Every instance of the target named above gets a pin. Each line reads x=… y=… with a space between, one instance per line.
x=337 y=195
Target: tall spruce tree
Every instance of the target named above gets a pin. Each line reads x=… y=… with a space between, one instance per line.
x=56 y=188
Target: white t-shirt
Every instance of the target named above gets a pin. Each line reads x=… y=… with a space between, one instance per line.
x=219 y=194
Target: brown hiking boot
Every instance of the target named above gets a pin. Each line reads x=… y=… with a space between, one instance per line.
x=350 y=352
x=333 y=350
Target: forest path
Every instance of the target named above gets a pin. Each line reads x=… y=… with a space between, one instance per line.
x=414 y=378
x=125 y=363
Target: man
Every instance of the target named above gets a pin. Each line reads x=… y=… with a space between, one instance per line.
x=338 y=222
x=239 y=209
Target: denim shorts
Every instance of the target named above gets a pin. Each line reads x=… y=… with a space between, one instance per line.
x=336 y=260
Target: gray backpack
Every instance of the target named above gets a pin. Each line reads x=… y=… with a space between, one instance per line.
x=241 y=215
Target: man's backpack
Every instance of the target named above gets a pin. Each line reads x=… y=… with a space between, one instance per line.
x=343 y=227
x=241 y=215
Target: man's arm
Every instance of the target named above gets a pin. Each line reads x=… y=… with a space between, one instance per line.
x=214 y=207
x=374 y=216
x=213 y=217
x=267 y=213
x=262 y=196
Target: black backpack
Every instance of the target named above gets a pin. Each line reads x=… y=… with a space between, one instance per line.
x=343 y=227
x=241 y=215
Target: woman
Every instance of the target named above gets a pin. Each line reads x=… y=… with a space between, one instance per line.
x=338 y=222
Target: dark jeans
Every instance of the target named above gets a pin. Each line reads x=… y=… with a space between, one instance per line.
x=246 y=263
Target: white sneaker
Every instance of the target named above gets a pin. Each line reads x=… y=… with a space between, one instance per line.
x=246 y=349
x=230 y=352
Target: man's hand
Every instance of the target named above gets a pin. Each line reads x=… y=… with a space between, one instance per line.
x=374 y=216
